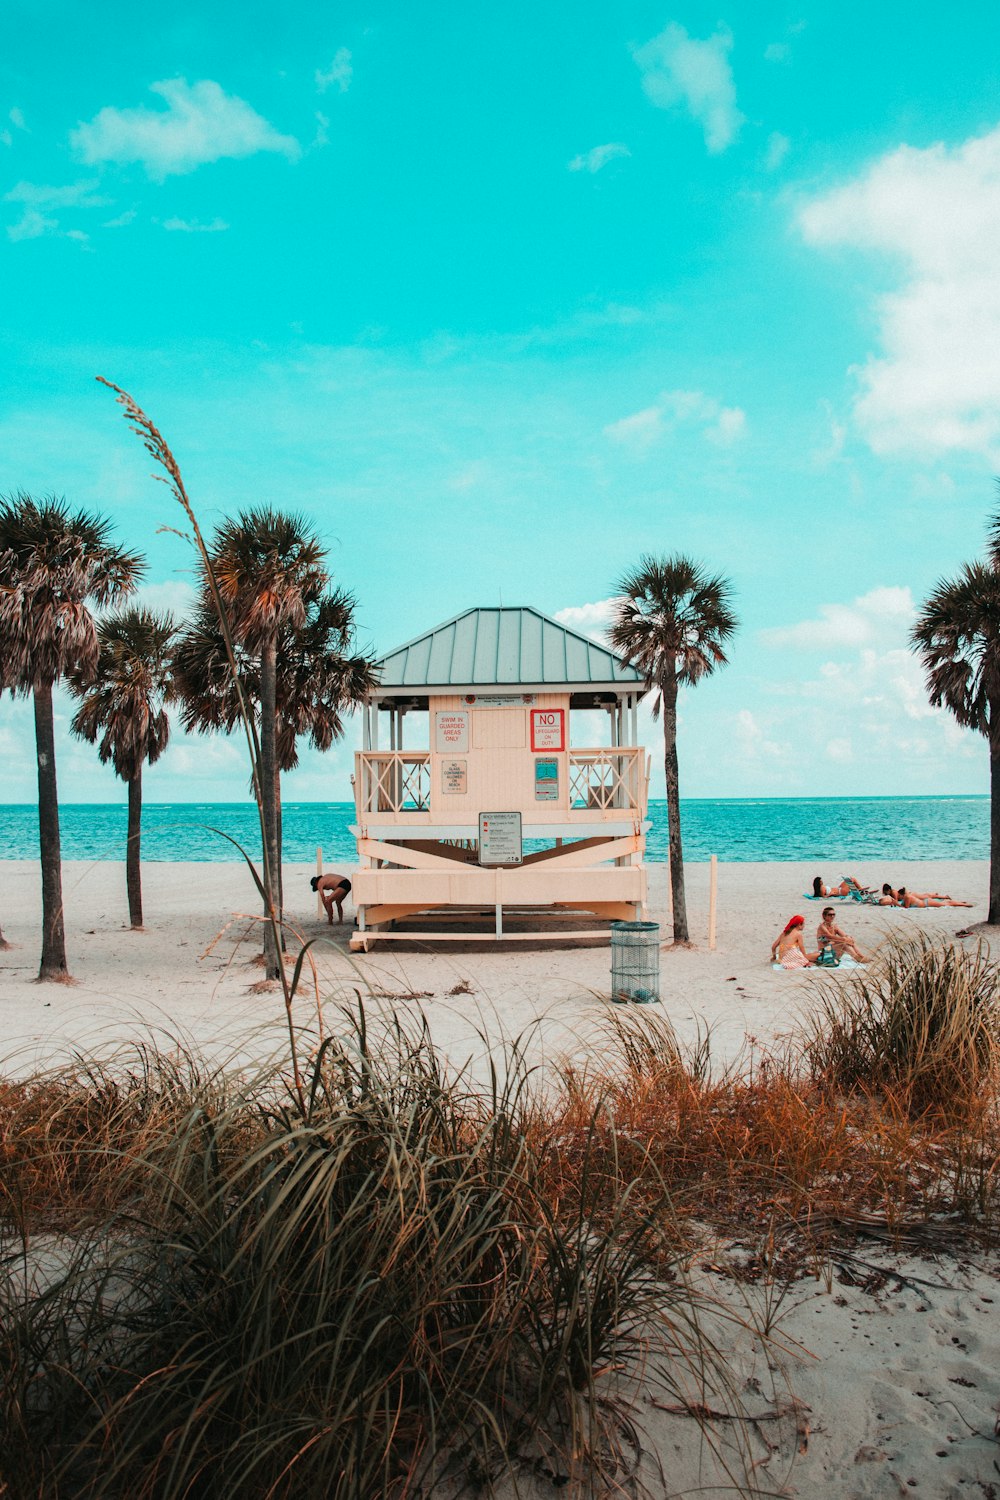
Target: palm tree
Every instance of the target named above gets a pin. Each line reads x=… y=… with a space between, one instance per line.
x=52 y=562
x=272 y=579
x=317 y=680
x=671 y=622
x=957 y=637
x=126 y=702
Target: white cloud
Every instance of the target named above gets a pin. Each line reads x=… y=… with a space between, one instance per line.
x=722 y=425
x=322 y=136
x=639 y=431
x=589 y=619
x=340 y=72
x=777 y=150
x=936 y=213
x=37 y=201
x=677 y=69
x=777 y=52
x=120 y=220
x=31 y=226
x=192 y=226
x=70 y=195
x=882 y=611
x=598 y=157
x=16 y=118
x=201 y=123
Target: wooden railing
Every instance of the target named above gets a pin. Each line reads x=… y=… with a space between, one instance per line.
x=607 y=778
x=393 y=781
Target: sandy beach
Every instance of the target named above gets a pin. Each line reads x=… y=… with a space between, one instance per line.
x=171 y=977
x=881 y=1379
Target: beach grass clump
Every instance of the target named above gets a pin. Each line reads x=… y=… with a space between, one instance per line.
x=68 y=1136
x=372 y=1296
x=768 y=1150
x=921 y=1022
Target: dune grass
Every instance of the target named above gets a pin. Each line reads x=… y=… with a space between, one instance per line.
x=385 y=1280
x=371 y=1295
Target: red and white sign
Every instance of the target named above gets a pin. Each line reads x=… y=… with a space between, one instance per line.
x=548 y=729
x=451 y=732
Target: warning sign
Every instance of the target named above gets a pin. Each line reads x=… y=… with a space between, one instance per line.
x=548 y=729
x=454 y=778
x=451 y=732
x=500 y=838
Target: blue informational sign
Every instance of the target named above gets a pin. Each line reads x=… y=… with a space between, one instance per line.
x=546 y=781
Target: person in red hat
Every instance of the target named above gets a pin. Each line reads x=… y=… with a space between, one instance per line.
x=788 y=949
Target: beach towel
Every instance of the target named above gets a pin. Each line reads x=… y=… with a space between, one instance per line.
x=845 y=963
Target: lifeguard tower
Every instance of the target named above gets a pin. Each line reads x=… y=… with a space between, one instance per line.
x=501 y=817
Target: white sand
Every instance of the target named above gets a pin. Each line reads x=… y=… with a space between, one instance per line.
x=886 y=1391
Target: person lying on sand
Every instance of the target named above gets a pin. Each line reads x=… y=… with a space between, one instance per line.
x=788 y=949
x=911 y=898
x=887 y=891
x=333 y=890
x=842 y=942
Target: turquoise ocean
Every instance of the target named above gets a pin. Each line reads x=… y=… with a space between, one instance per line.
x=830 y=830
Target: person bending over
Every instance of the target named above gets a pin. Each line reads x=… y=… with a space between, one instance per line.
x=912 y=898
x=333 y=891
x=788 y=949
x=842 y=942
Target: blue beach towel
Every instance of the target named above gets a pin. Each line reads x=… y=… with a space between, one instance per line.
x=845 y=963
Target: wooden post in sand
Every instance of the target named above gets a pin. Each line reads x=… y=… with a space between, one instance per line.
x=319 y=871
x=713 y=883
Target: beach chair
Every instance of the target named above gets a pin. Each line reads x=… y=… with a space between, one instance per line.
x=859 y=893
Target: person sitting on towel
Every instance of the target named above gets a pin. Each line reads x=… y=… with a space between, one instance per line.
x=333 y=890
x=829 y=932
x=788 y=949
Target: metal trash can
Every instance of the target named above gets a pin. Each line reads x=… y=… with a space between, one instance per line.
x=635 y=963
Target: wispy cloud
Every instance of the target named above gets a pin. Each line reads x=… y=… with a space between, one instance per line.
x=589 y=619
x=339 y=74
x=863 y=622
x=201 y=123
x=777 y=150
x=678 y=69
x=16 y=118
x=778 y=52
x=194 y=226
x=722 y=425
x=598 y=157
x=38 y=202
x=936 y=211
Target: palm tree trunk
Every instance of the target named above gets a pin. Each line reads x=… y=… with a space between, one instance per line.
x=268 y=775
x=669 y=697
x=53 y=965
x=994 y=911
x=133 y=879
x=278 y=833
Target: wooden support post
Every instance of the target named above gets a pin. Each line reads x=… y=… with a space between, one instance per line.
x=713 y=882
x=320 y=910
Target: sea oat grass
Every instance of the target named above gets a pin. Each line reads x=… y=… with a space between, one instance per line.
x=374 y=1295
x=921 y=1022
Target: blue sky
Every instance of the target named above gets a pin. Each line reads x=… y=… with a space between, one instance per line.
x=502 y=298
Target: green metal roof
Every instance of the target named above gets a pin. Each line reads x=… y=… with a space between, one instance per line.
x=502 y=648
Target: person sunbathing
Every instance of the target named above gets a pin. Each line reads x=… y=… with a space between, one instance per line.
x=788 y=949
x=820 y=890
x=839 y=940
x=910 y=898
x=887 y=890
